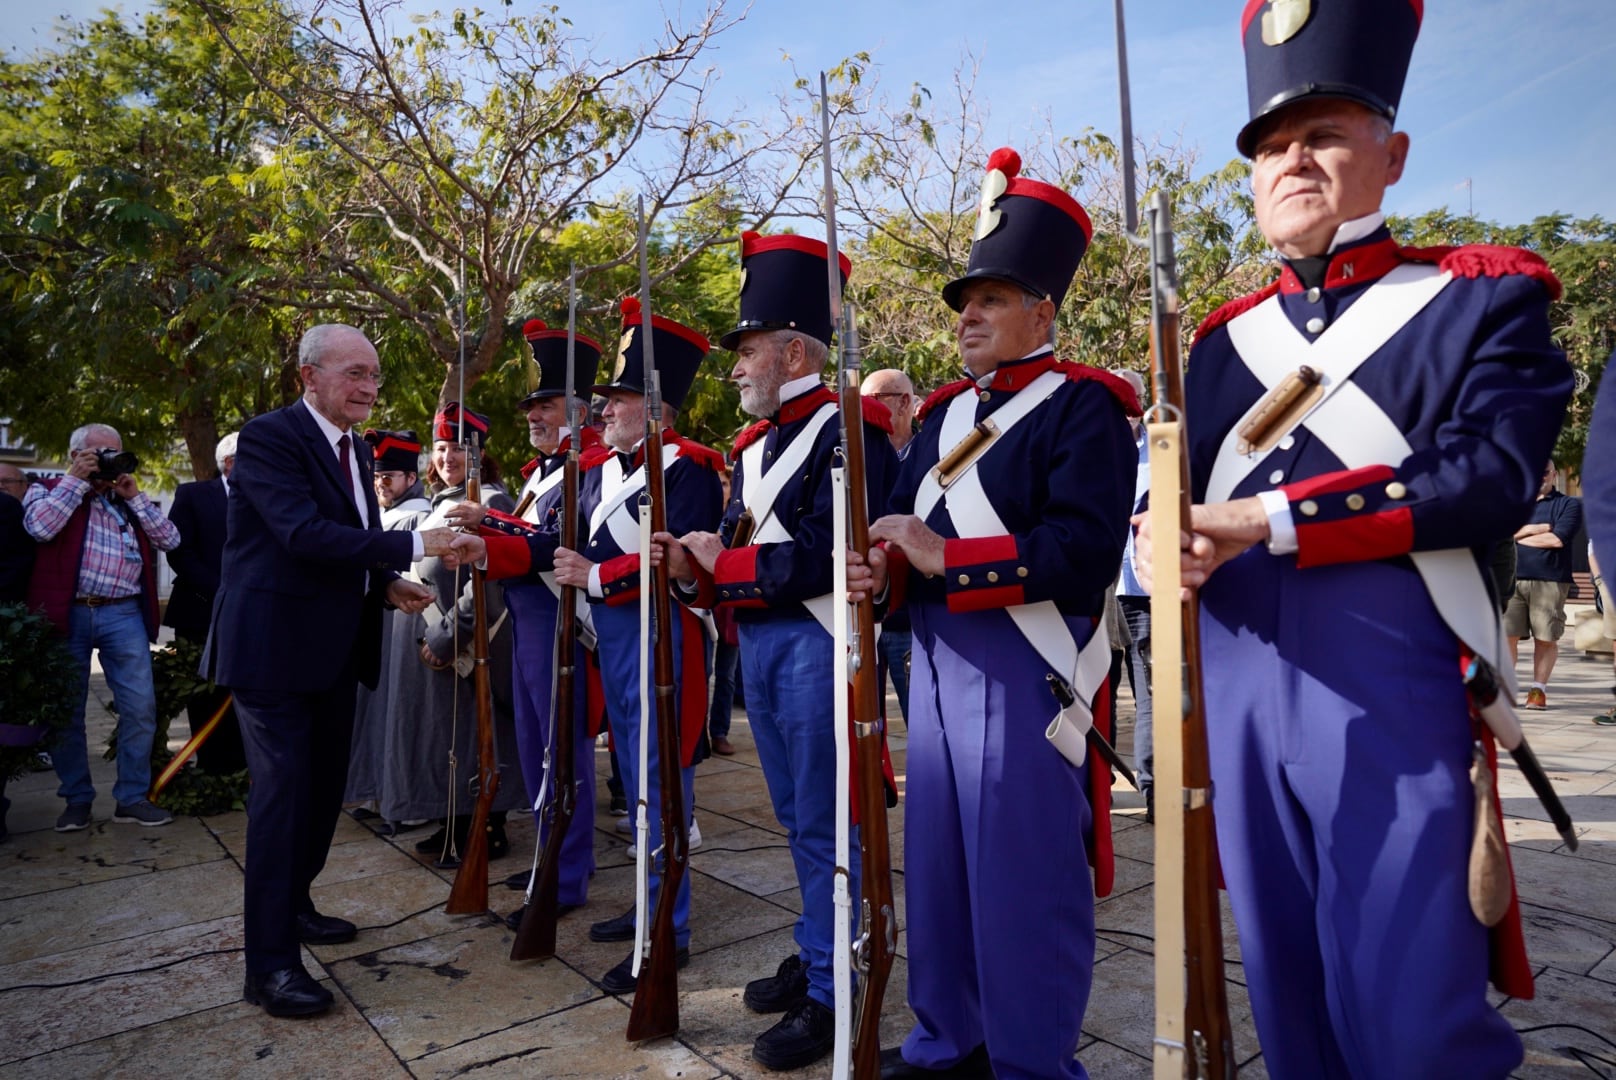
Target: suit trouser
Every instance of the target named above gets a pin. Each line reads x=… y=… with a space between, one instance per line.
x=1340 y=747
x=789 y=704
x=297 y=753
x=533 y=611
x=999 y=893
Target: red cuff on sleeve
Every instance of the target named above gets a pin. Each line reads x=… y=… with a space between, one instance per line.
x=1333 y=483
x=620 y=579
x=508 y=557
x=1373 y=536
x=983 y=573
x=735 y=578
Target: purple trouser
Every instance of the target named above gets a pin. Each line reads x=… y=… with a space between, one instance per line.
x=1000 y=899
x=533 y=624
x=1340 y=745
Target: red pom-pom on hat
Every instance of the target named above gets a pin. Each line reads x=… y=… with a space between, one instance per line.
x=631 y=307
x=1006 y=161
x=533 y=327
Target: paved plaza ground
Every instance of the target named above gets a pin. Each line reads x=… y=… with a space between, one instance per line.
x=120 y=946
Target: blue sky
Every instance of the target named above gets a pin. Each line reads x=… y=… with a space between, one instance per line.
x=1517 y=96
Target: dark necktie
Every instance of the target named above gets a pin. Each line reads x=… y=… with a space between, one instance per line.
x=347 y=468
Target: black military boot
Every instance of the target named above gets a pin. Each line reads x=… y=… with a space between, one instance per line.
x=806 y=1033
x=780 y=991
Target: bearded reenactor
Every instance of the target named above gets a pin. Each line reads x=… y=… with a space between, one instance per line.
x=1012 y=510
x=608 y=570
x=771 y=563
x=1337 y=552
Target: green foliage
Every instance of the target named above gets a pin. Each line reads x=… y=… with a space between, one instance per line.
x=38 y=681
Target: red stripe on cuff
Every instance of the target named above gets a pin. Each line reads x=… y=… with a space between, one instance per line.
x=985 y=549
x=1333 y=483
x=1376 y=536
x=1002 y=596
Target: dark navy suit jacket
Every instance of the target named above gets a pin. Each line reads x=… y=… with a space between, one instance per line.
x=302 y=578
x=199 y=514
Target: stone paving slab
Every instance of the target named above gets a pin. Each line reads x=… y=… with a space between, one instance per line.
x=88 y=922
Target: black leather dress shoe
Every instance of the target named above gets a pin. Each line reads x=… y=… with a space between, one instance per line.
x=620 y=928
x=622 y=980
x=974 y=1066
x=778 y=992
x=517 y=882
x=804 y=1034
x=287 y=992
x=317 y=929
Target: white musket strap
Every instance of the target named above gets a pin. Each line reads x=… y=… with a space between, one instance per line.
x=613 y=511
x=960 y=418
x=1357 y=431
x=973 y=516
x=763 y=488
x=841 y=878
x=642 y=823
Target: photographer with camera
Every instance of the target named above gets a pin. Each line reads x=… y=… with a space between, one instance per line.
x=95 y=577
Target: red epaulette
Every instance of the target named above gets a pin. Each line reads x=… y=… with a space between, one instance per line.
x=1488 y=260
x=1236 y=307
x=1120 y=389
x=746 y=438
x=594 y=457
x=942 y=394
x=877 y=413
x=704 y=456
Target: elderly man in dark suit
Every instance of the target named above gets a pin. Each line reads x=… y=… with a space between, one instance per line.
x=199 y=514
x=296 y=625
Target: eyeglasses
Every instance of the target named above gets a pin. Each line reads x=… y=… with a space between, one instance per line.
x=21 y=482
x=887 y=395
x=357 y=375
x=389 y=477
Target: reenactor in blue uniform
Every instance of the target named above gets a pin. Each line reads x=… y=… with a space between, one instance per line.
x=608 y=569
x=1002 y=547
x=771 y=563
x=1339 y=558
x=533 y=603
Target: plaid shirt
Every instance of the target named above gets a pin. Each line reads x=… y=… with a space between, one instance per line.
x=111 y=566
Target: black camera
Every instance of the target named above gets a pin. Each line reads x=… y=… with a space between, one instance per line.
x=111 y=464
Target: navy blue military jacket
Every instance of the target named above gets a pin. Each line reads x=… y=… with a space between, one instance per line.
x=772 y=579
x=1061 y=481
x=1473 y=381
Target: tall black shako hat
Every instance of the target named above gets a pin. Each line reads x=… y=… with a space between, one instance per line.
x=1028 y=233
x=1357 y=50
x=395 y=451
x=446 y=425
x=679 y=351
x=550 y=353
x=784 y=286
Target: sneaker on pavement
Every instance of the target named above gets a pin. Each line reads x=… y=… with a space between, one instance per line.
x=74 y=818
x=1537 y=699
x=624 y=824
x=1604 y=719
x=141 y=812
x=619 y=805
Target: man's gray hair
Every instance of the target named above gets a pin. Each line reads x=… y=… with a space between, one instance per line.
x=81 y=435
x=317 y=339
x=225 y=449
x=817 y=351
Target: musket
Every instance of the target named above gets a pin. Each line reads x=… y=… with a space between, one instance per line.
x=536 y=934
x=656 y=998
x=1193 y=1036
x=877 y=943
x=469 y=895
